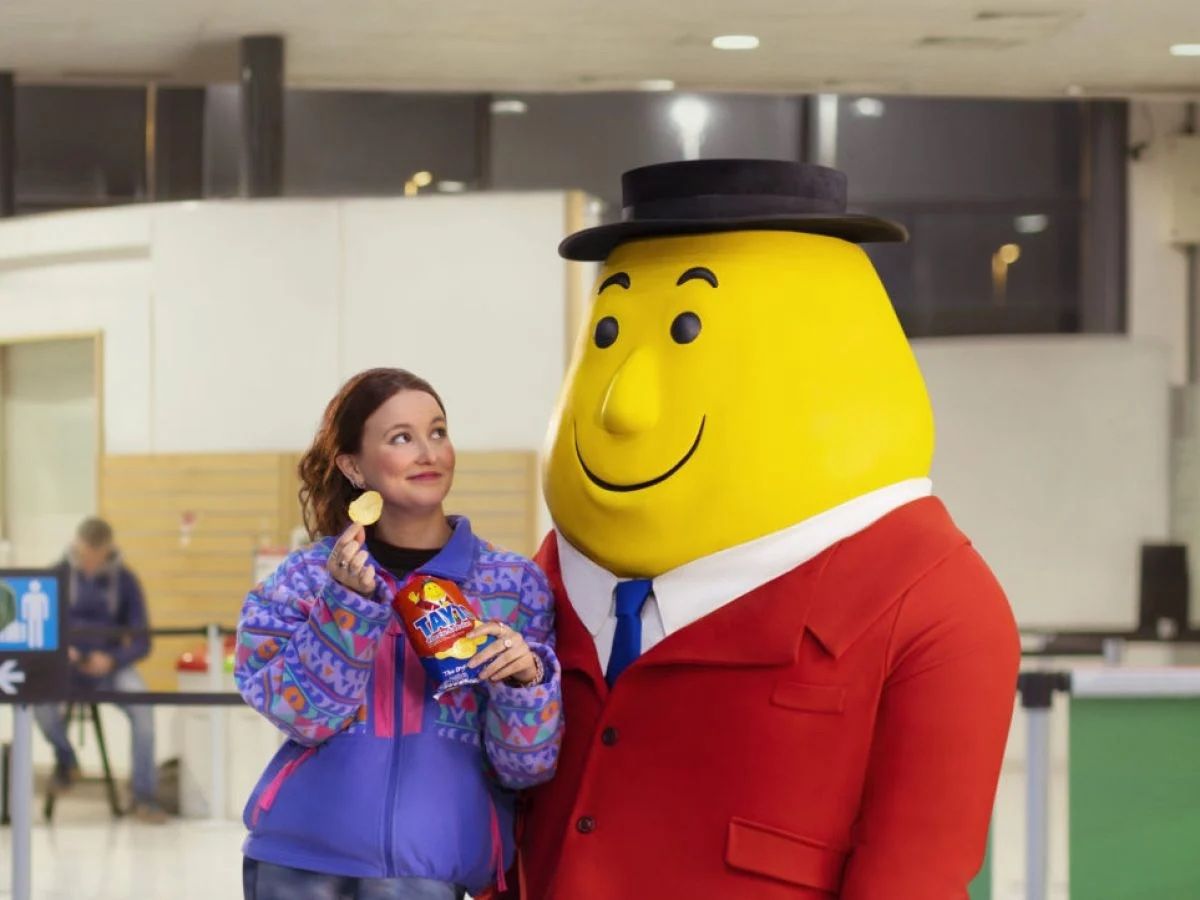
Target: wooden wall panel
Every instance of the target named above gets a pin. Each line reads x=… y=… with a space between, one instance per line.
x=241 y=503
x=238 y=504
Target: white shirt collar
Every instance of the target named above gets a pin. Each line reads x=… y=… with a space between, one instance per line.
x=697 y=588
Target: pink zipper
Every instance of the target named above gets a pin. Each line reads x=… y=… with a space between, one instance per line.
x=413 y=711
x=385 y=682
x=267 y=798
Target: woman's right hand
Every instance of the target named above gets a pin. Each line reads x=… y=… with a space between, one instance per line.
x=349 y=562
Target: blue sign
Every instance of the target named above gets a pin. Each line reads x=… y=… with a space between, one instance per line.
x=29 y=613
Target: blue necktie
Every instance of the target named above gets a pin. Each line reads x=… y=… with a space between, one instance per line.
x=627 y=642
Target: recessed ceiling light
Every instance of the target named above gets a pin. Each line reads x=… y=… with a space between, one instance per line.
x=509 y=107
x=422 y=179
x=451 y=187
x=689 y=114
x=735 y=42
x=1185 y=50
x=656 y=84
x=868 y=107
x=1035 y=223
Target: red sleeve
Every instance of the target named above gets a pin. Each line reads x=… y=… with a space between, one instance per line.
x=939 y=739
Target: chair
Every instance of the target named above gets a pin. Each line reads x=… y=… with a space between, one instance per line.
x=86 y=712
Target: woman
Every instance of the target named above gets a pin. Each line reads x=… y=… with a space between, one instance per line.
x=381 y=791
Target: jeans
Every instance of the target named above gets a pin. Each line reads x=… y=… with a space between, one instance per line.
x=52 y=721
x=267 y=881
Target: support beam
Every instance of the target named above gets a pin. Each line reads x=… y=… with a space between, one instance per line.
x=262 y=116
x=8 y=146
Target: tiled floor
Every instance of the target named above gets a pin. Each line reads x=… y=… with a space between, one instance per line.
x=86 y=855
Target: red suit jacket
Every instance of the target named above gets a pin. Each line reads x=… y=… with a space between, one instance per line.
x=837 y=732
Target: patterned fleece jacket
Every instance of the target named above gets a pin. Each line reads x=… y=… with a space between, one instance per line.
x=377 y=778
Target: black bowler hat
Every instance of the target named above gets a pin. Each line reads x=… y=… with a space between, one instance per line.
x=707 y=195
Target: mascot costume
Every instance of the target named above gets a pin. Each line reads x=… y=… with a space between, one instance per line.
x=786 y=673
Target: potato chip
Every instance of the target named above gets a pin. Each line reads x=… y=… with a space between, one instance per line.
x=367 y=509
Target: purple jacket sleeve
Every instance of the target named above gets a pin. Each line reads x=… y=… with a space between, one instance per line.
x=524 y=726
x=305 y=648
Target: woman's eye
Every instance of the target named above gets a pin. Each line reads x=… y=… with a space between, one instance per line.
x=439 y=433
x=402 y=438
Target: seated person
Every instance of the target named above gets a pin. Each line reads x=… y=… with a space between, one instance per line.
x=104 y=593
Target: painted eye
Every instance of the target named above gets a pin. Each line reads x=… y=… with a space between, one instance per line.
x=606 y=332
x=685 y=328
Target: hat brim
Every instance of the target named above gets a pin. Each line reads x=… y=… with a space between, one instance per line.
x=595 y=244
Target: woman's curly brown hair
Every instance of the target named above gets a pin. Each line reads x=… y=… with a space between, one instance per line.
x=325 y=493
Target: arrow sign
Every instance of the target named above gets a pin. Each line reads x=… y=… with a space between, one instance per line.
x=10 y=676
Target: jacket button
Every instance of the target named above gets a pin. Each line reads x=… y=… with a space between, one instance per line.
x=610 y=736
x=585 y=825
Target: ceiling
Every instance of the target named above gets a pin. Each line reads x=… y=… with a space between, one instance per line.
x=1002 y=48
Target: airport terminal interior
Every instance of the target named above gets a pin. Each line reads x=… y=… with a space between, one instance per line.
x=214 y=214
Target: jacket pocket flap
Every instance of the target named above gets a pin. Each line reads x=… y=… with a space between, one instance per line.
x=818 y=698
x=787 y=857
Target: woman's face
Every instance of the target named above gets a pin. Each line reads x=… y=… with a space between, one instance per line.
x=406 y=453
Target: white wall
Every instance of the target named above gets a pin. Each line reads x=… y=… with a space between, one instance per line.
x=228 y=325
x=87 y=272
x=245 y=324
x=49 y=445
x=1053 y=456
x=476 y=305
x=1157 y=269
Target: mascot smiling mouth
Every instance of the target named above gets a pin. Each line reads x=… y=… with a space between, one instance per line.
x=641 y=485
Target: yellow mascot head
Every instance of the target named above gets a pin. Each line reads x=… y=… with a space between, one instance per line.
x=742 y=369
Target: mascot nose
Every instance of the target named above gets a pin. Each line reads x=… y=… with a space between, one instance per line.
x=633 y=401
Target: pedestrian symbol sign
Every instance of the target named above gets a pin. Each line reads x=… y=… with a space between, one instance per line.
x=33 y=651
x=29 y=612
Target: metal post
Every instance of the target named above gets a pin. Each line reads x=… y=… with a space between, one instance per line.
x=1037 y=790
x=216 y=668
x=1037 y=697
x=20 y=795
x=1113 y=650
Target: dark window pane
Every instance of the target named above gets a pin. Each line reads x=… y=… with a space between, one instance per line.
x=348 y=143
x=222 y=136
x=79 y=146
x=355 y=143
x=971 y=272
x=904 y=149
x=587 y=140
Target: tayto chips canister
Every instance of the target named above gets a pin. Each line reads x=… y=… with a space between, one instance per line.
x=438 y=619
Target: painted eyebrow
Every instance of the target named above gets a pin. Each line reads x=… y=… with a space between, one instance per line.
x=698 y=273
x=619 y=278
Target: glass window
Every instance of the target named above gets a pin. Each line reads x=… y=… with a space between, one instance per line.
x=79 y=146
x=587 y=140
x=990 y=192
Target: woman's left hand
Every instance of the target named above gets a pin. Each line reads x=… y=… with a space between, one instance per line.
x=508 y=658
